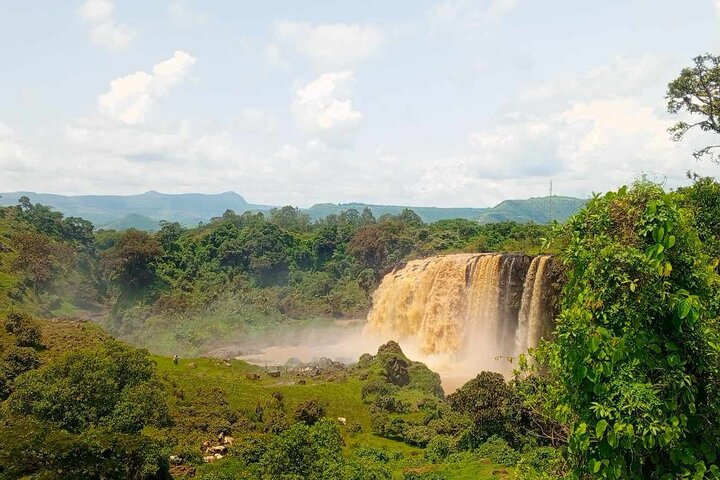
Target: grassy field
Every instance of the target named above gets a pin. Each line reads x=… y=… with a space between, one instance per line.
x=204 y=393
x=343 y=399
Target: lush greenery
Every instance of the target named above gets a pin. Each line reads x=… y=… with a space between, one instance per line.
x=634 y=369
x=87 y=406
x=181 y=290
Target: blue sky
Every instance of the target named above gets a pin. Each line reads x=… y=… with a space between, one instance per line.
x=437 y=102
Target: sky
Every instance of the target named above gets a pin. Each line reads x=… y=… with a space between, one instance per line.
x=423 y=102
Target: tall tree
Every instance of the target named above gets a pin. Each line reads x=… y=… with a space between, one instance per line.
x=131 y=261
x=39 y=257
x=697 y=92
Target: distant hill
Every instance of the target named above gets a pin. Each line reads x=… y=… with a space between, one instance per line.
x=538 y=210
x=428 y=214
x=146 y=210
x=132 y=220
x=187 y=208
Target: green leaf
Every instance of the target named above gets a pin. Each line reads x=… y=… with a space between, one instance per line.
x=600 y=428
x=684 y=308
x=670 y=241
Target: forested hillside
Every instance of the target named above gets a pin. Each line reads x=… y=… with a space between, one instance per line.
x=627 y=387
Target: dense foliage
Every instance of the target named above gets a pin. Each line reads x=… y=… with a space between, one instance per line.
x=634 y=369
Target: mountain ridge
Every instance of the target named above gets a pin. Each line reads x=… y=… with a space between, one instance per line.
x=147 y=209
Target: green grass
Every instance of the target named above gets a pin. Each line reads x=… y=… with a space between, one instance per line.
x=342 y=397
x=198 y=375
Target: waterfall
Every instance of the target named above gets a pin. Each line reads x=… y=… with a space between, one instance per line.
x=533 y=315
x=473 y=307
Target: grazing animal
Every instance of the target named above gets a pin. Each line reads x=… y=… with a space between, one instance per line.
x=209 y=458
x=342 y=420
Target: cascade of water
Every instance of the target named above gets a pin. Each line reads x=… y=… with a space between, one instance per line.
x=465 y=305
x=532 y=309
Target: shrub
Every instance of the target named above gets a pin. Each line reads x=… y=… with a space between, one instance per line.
x=310 y=412
x=251 y=448
x=418 y=435
x=276 y=422
x=376 y=387
x=438 y=449
x=17 y=360
x=498 y=450
x=539 y=463
x=28 y=334
x=14 y=320
x=492 y=404
x=375 y=454
x=304 y=452
x=388 y=427
x=389 y=404
x=365 y=469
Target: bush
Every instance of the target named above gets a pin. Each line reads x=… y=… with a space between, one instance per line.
x=276 y=422
x=388 y=427
x=389 y=404
x=376 y=387
x=310 y=412
x=33 y=449
x=104 y=386
x=17 y=360
x=14 y=320
x=438 y=449
x=539 y=463
x=304 y=452
x=418 y=435
x=365 y=469
x=375 y=454
x=28 y=334
x=493 y=405
x=251 y=448
x=498 y=450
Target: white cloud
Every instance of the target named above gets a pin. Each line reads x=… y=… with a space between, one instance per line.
x=592 y=145
x=468 y=15
x=183 y=14
x=626 y=75
x=274 y=57
x=324 y=106
x=131 y=97
x=330 y=45
x=105 y=31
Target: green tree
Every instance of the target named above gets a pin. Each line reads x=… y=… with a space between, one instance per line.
x=111 y=385
x=40 y=258
x=493 y=406
x=131 y=260
x=634 y=368
x=697 y=92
